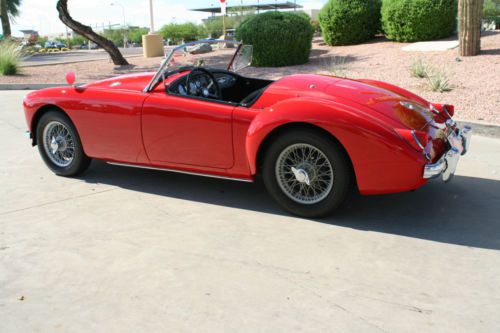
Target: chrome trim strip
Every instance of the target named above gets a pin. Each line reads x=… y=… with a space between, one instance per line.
x=179 y=171
x=417 y=140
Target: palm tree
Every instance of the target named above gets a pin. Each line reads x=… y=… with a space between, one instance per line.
x=8 y=10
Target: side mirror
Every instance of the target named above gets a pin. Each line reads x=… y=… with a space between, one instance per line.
x=70 y=78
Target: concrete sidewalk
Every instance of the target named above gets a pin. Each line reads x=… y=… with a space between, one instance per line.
x=128 y=250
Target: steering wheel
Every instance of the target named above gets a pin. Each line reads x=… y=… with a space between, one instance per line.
x=201 y=82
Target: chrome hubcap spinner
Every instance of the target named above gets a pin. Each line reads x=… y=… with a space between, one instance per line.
x=304 y=173
x=58 y=144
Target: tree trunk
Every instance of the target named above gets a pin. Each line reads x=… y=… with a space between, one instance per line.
x=87 y=32
x=469 y=26
x=4 y=15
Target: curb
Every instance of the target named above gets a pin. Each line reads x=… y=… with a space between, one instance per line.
x=77 y=61
x=30 y=86
x=482 y=128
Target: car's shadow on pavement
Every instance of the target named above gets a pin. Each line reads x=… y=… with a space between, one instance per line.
x=465 y=211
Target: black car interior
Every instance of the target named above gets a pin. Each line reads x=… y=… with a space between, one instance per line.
x=220 y=85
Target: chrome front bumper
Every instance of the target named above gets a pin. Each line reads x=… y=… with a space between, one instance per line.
x=459 y=141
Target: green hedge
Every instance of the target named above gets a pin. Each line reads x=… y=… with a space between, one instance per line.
x=345 y=22
x=416 y=20
x=278 y=38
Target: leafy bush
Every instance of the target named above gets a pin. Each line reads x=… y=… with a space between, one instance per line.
x=416 y=20
x=345 y=22
x=278 y=38
x=491 y=10
x=10 y=57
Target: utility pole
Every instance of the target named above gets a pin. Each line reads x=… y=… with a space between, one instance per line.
x=124 y=23
x=151 y=18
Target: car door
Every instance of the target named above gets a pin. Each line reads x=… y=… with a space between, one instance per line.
x=187 y=131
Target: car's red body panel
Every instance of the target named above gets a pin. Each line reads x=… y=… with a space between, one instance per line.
x=118 y=122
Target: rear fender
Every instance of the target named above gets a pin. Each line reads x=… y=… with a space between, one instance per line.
x=370 y=143
x=396 y=89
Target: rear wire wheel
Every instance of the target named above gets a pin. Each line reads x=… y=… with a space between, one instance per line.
x=307 y=173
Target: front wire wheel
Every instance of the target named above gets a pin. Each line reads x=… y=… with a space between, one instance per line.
x=59 y=144
x=307 y=172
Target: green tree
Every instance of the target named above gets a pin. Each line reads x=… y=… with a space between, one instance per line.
x=178 y=32
x=8 y=10
x=87 y=32
x=135 y=34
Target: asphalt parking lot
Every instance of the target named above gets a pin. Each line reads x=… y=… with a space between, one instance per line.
x=129 y=250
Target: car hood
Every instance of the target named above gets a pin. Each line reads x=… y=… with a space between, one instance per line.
x=131 y=82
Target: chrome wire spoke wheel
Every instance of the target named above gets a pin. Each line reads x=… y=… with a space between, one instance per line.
x=59 y=144
x=304 y=173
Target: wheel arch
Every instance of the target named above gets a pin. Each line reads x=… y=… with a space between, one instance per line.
x=288 y=127
x=38 y=115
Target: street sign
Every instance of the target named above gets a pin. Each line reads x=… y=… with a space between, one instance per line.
x=223 y=7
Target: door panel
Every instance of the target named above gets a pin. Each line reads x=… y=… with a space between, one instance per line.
x=109 y=123
x=187 y=131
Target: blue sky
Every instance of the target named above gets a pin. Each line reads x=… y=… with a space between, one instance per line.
x=41 y=15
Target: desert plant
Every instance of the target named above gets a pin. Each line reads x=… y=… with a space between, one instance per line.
x=419 y=69
x=10 y=58
x=278 y=38
x=438 y=81
x=345 y=22
x=415 y=20
x=337 y=66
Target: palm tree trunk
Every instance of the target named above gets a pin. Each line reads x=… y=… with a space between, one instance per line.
x=4 y=15
x=87 y=32
x=469 y=26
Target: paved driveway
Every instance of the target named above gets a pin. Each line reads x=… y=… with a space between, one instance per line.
x=126 y=250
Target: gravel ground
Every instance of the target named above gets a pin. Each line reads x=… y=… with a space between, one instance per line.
x=475 y=80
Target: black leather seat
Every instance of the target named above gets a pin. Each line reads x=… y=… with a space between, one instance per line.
x=252 y=98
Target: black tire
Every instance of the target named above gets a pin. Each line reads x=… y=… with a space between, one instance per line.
x=338 y=161
x=79 y=163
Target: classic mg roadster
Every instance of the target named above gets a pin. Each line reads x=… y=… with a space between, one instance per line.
x=310 y=137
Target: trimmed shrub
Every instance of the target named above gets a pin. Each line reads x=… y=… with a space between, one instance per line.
x=416 y=20
x=345 y=22
x=278 y=38
x=10 y=57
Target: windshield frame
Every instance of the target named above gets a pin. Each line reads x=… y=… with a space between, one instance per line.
x=164 y=64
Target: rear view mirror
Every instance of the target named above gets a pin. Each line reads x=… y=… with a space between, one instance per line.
x=243 y=58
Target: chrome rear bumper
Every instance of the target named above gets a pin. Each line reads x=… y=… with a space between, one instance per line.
x=459 y=141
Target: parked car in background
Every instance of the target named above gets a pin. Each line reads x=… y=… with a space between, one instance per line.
x=85 y=46
x=54 y=45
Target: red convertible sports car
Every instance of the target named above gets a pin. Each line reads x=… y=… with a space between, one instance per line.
x=310 y=137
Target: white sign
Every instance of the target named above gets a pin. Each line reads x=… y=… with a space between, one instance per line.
x=223 y=7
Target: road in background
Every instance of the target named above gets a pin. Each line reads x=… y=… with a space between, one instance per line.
x=77 y=56
x=129 y=250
